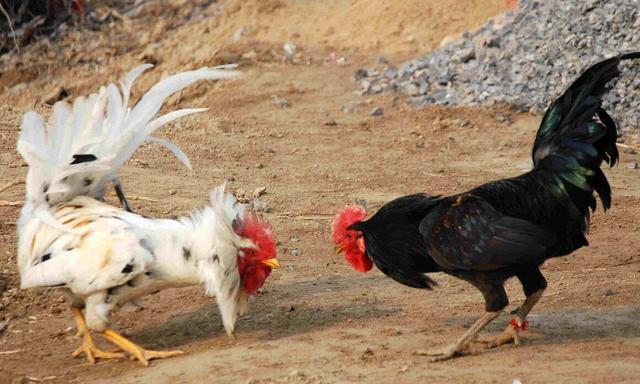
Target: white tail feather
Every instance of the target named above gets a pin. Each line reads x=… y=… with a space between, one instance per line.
x=177 y=152
x=80 y=149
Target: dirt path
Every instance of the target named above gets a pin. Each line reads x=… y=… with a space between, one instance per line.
x=317 y=320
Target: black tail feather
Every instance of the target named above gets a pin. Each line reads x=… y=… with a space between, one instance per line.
x=611 y=150
x=576 y=135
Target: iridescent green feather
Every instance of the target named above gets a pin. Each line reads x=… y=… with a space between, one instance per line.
x=551 y=121
x=576 y=179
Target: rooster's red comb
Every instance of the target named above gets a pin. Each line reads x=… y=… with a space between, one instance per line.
x=343 y=219
x=261 y=234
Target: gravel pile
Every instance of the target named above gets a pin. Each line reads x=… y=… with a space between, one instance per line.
x=524 y=58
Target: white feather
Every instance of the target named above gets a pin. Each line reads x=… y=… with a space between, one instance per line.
x=102 y=125
x=174 y=149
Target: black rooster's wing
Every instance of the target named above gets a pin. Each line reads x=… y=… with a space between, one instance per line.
x=470 y=234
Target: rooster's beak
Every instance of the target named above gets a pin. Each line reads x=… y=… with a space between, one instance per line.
x=339 y=248
x=273 y=263
x=361 y=245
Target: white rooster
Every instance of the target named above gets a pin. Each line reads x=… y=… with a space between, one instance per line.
x=101 y=256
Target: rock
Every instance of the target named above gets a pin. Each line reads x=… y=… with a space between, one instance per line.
x=360 y=74
x=56 y=95
x=259 y=166
x=289 y=51
x=608 y=292
x=259 y=191
x=464 y=55
x=633 y=165
x=260 y=205
x=412 y=90
x=376 y=111
x=329 y=121
x=296 y=252
x=346 y=108
x=297 y=373
x=525 y=59
x=238 y=34
x=251 y=55
x=149 y=55
x=381 y=60
x=281 y=102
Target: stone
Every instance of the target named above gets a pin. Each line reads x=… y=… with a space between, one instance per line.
x=376 y=111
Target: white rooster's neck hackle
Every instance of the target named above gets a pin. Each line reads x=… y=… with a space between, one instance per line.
x=204 y=248
x=217 y=256
x=81 y=147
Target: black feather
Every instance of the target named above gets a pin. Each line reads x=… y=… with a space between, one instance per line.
x=83 y=158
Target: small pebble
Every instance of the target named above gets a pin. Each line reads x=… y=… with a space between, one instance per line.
x=281 y=102
x=360 y=74
x=330 y=121
x=346 y=109
x=376 y=111
x=259 y=191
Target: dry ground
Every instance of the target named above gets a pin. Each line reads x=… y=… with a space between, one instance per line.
x=316 y=320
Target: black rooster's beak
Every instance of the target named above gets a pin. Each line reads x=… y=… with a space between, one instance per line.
x=339 y=248
x=361 y=245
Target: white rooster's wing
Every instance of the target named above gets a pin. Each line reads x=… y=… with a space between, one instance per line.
x=93 y=259
x=81 y=147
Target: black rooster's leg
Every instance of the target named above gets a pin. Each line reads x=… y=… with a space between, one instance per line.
x=534 y=285
x=121 y=197
x=463 y=342
x=511 y=333
x=495 y=299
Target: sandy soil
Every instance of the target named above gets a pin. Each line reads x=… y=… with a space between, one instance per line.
x=316 y=320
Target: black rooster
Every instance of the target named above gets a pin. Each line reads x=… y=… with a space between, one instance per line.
x=504 y=228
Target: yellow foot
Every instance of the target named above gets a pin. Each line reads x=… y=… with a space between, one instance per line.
x=441 y=354
x=92 y=352
x=137 y=352
x=88 y=346
x=511 y=334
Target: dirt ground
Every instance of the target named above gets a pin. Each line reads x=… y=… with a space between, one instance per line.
x=316 y=320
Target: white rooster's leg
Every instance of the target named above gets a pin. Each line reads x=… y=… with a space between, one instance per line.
x=136 y=351
x=88 y=346
x=121 y=197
